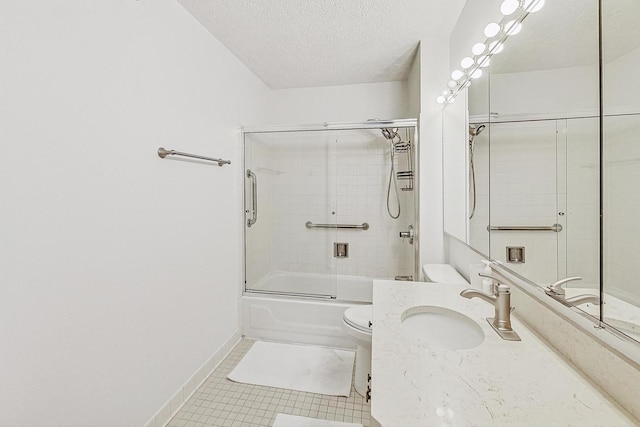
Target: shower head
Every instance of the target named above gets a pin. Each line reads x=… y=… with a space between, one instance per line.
x=474 y=130
x=389 y=133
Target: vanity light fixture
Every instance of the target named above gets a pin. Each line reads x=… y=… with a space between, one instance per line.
x=478 y=48
x=496 y=34
x=509 y=6
x=466 y=62
x=457 y=74
x=492 y=30
x=484 y=61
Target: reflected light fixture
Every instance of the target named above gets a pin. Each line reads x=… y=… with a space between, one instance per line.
x=496 y=34
x=492 y=29
x=496 y=47
x=466 y=62
x=484 y=61
x=512 y=28
x=478 y=48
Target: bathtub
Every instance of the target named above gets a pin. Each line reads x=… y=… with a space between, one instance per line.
x=303 y=311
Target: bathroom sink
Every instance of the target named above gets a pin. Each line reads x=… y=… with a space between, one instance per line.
x=441 y=327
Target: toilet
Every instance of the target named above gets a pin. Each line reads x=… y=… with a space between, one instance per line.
x=357 y=322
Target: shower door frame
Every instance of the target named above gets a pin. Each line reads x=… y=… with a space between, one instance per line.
x=329 y=126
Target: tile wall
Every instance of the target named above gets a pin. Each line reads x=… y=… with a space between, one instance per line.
x=329 y=177
x=523 y=192
x=540 y=173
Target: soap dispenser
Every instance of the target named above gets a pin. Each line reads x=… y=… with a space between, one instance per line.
x=488 y=286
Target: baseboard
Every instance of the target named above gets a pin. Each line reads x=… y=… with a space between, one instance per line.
x=173 y=405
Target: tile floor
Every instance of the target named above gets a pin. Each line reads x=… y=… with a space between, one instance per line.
x=221 y=402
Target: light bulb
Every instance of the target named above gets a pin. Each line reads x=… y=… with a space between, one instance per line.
x=456 y=74
x=452 y=84
x=478 y=48
x=496 y=47
x=440 y=99
x=535 y=7
x=445 y=92
x=484 y=61
x=466 y=62
x=509 y=6
x=491 y=29
x=512 y=28
x=476 y=74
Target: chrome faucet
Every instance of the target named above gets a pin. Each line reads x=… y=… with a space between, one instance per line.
x=583 y=299
x=501 y=301
x=557 y=292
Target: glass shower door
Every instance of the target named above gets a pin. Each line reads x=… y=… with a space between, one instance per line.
x=288 y=249
x=524 y=229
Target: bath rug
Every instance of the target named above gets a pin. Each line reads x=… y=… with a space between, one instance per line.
x=296 y=367
x=284 y=420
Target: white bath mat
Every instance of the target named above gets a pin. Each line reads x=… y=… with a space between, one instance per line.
x=284 y=420
x=296 y=367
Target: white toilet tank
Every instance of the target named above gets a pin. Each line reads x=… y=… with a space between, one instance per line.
x=442 y=273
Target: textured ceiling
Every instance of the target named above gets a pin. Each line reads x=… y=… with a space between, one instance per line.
x=305 y=43
x=565 y=34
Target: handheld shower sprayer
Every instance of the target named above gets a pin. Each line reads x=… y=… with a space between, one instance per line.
x=474 y=130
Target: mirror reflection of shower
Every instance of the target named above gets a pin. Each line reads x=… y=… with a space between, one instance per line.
x=474 y=130
x=398 y=145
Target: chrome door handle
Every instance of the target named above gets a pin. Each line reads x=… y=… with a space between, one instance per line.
x=254 y=198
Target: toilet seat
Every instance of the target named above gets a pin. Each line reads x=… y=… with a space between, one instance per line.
x=359 y=317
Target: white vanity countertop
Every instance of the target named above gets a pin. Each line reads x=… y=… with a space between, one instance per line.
x=516 y=383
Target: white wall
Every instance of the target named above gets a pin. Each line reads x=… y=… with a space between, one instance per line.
x=553 y=93
x=434 y=56
x=469 y=29
x=119 y=270
x=348 y=103
x=455 y=170
x=413 y=87
x=619 y=95
x=523 y=192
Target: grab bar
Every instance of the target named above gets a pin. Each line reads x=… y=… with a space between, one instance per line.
x=162 y=152
x=254 y=198
x=364 y=226
x=555 y=228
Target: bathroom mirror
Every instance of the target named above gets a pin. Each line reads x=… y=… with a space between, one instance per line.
x=544 y=152
x=621 y=165
x=539 y=154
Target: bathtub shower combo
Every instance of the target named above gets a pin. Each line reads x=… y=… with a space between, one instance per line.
x=328 y=209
